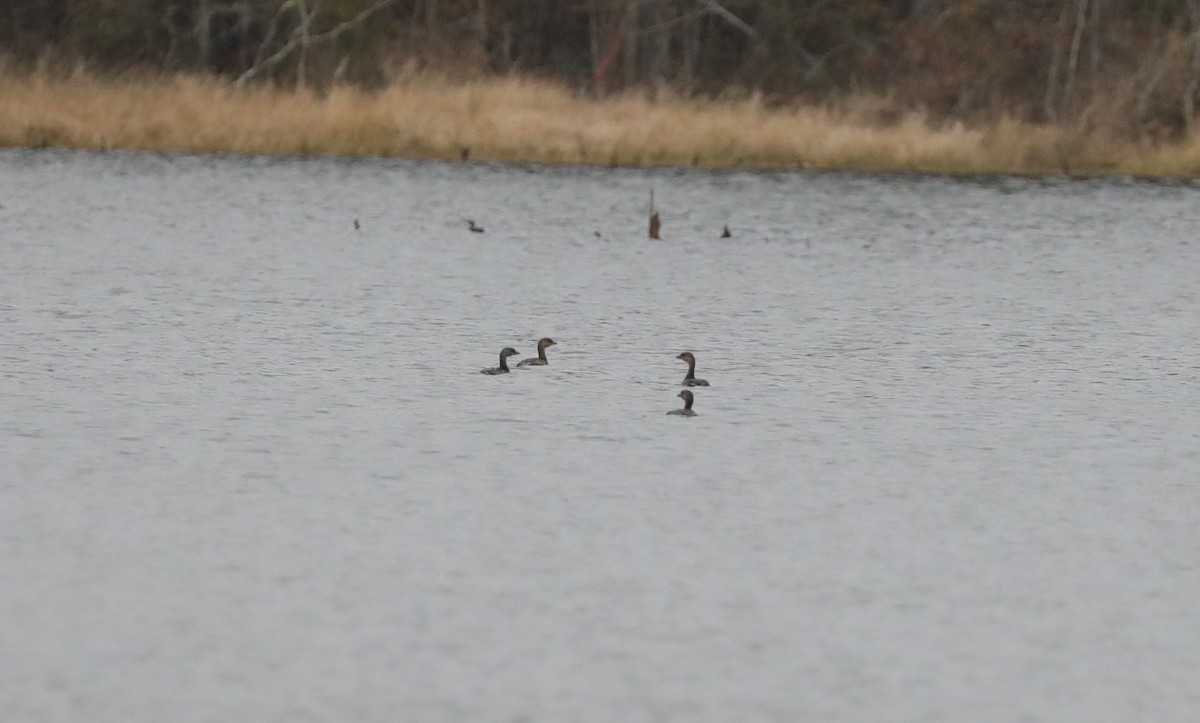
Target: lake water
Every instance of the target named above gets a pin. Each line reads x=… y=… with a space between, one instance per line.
x=946 y=470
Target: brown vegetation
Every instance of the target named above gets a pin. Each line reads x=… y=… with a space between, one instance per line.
x=518 y=119
x=1027 y=86
x=1129 y=66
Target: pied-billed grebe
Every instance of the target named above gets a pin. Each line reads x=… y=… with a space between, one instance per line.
x=505 y=353
x=540 y=361
x=690 y=380
x=687 y=398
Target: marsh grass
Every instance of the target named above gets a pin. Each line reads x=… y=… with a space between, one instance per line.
x=514 y=119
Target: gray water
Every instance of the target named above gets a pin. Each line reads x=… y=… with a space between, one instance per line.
x=946 y=469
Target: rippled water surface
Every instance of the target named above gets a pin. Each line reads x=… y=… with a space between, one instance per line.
x=946 y=470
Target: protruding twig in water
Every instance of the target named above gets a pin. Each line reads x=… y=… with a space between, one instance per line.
x=471 y=225
x=356 y=226
x=725 y=232
x=655 y=222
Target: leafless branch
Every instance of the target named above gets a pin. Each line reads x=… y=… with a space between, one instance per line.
x=302 y=37
x=272 y=29
x=716 y=8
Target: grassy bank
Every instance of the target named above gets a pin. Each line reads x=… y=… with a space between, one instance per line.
x=514 y=119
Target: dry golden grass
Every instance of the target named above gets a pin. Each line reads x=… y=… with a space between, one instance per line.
x=516 y=119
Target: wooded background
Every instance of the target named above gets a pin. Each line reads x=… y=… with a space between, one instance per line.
x=1128 y=65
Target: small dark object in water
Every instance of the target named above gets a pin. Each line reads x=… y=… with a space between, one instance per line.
x=687 y=398
x=541 y=360
x=505 y=353
x=655 y=225
x=356 y=226
x=471 y=225
x=725 y=232
x=690 y=380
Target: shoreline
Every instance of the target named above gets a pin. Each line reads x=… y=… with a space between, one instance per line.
x=518 y=120
x=1150 y=178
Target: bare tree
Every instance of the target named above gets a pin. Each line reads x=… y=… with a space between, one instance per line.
x=1073 y=55
x=1193 y=85
x=303 y=38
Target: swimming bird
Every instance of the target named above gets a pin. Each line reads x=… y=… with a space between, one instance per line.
x=687 y=398
x=725 y=232
x=505 y=353
x=471 y=225
x=690 y=380
x=540 y=360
